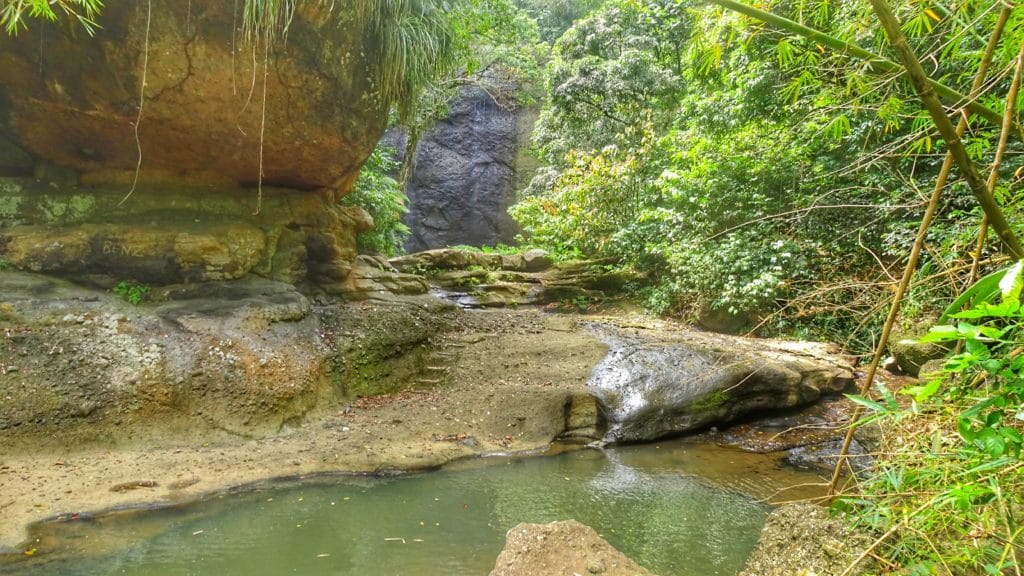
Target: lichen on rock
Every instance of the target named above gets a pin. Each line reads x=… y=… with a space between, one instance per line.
x=802 y=540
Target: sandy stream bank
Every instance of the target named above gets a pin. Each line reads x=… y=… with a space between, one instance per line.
x=507 y=391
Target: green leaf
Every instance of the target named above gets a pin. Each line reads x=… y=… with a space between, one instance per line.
x=991 y=332
x=1007 y=308
x=869 y=404
x=940 y=333
x=963 y=426
x=921 y=394
x=1011 y=435
x=966 y=330
x=991 y=442
x=993 y=419
x=984 y=290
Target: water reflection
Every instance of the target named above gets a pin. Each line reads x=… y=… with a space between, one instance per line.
x=646 y=500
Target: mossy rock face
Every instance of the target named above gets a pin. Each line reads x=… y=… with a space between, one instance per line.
x=476 y=279
x=394 y=351
x=168 y=235
x=460 y=278
x=911 y=355
x=431 y=262
x=13 y=160
x=932 y=369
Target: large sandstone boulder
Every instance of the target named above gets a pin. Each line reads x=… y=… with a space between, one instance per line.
x=211 y=115
x=373 y=278
x=654 y=386
x=72 y=100
x=245 y=358
x=561 y=549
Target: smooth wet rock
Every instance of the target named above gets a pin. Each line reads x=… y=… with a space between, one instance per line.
x=565 y=548
x=652 y=387
x=801 y=540
x=825 y=455
x=820 y=422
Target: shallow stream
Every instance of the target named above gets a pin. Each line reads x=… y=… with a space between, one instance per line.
x=676 y=508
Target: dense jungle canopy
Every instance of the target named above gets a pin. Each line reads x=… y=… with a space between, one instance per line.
x=766 y=169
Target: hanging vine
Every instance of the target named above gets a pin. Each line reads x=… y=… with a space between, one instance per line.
x=142 y=102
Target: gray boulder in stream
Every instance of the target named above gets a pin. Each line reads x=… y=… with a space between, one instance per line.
x=660 y=384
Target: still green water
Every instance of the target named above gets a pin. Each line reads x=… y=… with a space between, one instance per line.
x=645 y=500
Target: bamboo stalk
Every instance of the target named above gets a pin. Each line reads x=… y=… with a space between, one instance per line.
x=915 y=252
x=931 y=102
x=993 y=176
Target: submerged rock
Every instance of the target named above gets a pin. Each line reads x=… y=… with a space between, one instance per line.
x=561 y=549
x=825 y=455
x=651 y=387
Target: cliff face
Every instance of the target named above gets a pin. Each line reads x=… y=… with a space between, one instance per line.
x=68 y=109
x=72 y=100
x=468 y=167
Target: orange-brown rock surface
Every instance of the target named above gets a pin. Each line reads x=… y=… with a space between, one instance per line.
x=73 y=100
x=210 y=113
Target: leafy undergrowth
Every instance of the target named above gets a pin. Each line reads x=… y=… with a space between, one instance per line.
x=947 y=496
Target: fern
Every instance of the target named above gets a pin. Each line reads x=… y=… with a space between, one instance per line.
x=407 y=43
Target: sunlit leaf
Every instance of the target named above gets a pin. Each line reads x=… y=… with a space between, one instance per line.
x=1010 y=284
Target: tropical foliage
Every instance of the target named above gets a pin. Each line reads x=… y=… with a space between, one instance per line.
x=772 y=163
x=777 y=180
x=769 y=163
x=14 y=13
x=377 y=192
x=948 y=495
